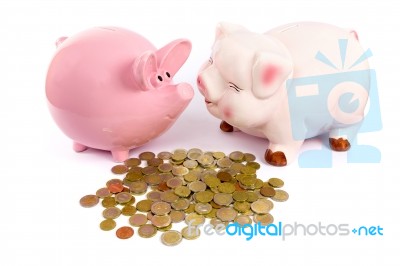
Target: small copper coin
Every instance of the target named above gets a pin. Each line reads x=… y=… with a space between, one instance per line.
x=155 y=162
x=138 y=219
x=267 y=191
x=147 y=230
x=165 y=167
x=115 y=185
x=124 y=232
x=171 y=238
x=119 y=169
x=108 y=224
x=148 y=170
x=174 y=182
x=89 y=201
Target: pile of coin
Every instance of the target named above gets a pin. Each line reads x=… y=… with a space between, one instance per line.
x=187 y=186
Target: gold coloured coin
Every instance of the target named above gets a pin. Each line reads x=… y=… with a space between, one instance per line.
x=103 y=192
x=211 y=214
x=251 y=196
x=165 y=167
x=174 y=182
x=262 y=206
x=202 y=208
x=131 y=162
x=108 y=224
x=154 y=195
x=194 y=219
x=248 y=157
x=119 y=169
x=164 y=229
x=177 y=216
x=144 y=205
x=197 y=186
x=204 y=196
x=108 y=202
x=147 y=231
x=89 y=201
x=155 y=162
x=205 y=160
x=223 y=199
x=276 y=182
x=190 y=209
x=191 y=177
x=111 y=213
x=263 y=219
x=169 y=196
x=153 y=179
x=254 y=165
x=224 y=162
x=211 y=181
x=171 y=238
x=160 y=208
x=138 y=187
x=147 y=155
x=218 y=155
x=123 y=197
x=182 y=191
x=226 y=187
x=224 y=176
x=160 y=221
x=248 y=170
x=280 y=195
x=138 y=219
x=180 y=204
x=148 y=170
x=226 y=214
x=242 y=207
x=190 y=164
x=240 y=196
x=128 y=210
x=190 y=232
x=165 y=155
x=243 y=220
x=217 y=222
x=236 y=156
x=180 y=170
x=134 y=176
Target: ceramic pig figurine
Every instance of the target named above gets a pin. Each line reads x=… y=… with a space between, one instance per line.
x=247 y=83
x=109 y=88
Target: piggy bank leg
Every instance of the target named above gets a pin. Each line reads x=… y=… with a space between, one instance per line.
x=120 y=155
x=225 y=127
x=282 y=154
x=79 y=147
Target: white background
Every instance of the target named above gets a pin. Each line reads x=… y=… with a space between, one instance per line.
x=42 y=179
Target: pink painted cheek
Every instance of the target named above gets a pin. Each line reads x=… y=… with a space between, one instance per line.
x=269 y=74
x=227 y=112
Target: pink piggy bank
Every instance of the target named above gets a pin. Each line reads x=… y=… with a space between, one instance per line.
x=109 y=88
x=292 y=83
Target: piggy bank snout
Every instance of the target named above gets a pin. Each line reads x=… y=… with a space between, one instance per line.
x=185 y=91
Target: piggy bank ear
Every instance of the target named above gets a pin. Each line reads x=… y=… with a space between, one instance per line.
x=144 y=68
x=225 y=28
x=270 y=72
x=171 y=57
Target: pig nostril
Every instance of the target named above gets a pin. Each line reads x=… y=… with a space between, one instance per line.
x=198 y=81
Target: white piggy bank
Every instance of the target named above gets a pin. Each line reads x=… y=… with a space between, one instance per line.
x=294 y=82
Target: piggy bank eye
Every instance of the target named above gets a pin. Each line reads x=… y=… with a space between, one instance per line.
x=168 y=74
x=210 y=60
x=159 y=78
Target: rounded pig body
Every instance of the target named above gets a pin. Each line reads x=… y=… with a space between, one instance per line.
x=111 y=89
x=285 y=86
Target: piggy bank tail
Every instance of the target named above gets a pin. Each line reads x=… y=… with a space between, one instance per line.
x=60 y=40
